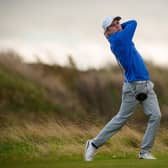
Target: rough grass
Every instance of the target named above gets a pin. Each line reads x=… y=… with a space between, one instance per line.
x=36 y=140
x=72 y=94
x=19 y=94
x=48 y=110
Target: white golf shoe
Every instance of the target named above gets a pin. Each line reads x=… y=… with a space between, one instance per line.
x=90 y=151
x=146 y=156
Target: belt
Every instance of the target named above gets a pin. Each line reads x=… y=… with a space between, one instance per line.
x=141 y=81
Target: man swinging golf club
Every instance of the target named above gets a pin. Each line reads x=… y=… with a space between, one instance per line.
x=137 y=88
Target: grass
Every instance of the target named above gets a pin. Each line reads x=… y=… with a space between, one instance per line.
x=48 y=112
x=20 y=95
x=77 y=161
x=72 y=94
x=32 y=140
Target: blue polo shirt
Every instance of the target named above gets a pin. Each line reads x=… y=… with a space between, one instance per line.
x=123 y=48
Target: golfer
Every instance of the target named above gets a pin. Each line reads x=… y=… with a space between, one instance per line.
x=137 y=88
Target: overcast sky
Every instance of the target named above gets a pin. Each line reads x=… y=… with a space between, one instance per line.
x=52 y=29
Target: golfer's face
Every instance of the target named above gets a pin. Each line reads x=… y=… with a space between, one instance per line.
x=114 y=27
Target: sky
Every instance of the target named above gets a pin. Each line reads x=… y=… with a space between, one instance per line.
x=54 y=29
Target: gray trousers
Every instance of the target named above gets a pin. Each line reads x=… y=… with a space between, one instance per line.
x=129 y=102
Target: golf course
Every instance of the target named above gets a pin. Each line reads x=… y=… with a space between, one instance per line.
x=83 y=84
x=48 y=112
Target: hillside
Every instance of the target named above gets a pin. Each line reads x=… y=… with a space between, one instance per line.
x=66 y=92
x=52 y=110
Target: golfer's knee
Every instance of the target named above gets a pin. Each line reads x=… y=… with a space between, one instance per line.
x=156 y=117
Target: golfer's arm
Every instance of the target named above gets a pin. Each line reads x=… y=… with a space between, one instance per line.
x=129 y=28
x=126 y=23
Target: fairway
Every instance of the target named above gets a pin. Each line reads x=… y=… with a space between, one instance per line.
x=79 y=163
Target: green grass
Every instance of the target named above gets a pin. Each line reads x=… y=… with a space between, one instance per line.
x=102 y=161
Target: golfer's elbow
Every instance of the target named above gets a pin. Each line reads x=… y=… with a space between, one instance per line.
x=129 y=24
x=133 y=22
x=133 y=25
